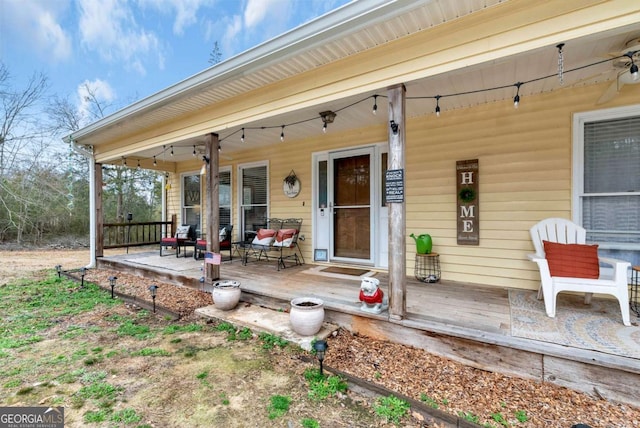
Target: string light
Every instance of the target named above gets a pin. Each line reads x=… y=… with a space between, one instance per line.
x=516 y=99
x=324 y=127
x=194 y=151
x=138 y=167
x=154 y=161
x=124 y=161
x=634 y=67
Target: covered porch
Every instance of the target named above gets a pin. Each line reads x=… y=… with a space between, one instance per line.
x=498 y=329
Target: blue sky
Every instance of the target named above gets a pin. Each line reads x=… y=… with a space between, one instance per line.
x=128 y=50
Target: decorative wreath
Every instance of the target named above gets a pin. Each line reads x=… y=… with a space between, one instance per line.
x=291 y=179
x=467 y=194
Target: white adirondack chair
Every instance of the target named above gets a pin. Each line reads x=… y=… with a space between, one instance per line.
x=566 y=232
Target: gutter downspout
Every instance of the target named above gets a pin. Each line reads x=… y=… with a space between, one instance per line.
x=87 y=151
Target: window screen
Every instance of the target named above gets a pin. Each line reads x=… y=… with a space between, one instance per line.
x=611 y=198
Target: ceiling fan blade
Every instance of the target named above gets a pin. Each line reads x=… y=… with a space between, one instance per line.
x=625 y=78
x=609 y=93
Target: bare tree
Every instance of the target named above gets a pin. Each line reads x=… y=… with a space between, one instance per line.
x=215 y=56
x=17 y=119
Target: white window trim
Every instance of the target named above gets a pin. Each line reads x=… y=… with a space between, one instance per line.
x=579 y=120
x=239 y=169
x=182 y=207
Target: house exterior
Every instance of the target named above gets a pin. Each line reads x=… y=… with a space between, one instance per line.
x=567 y=150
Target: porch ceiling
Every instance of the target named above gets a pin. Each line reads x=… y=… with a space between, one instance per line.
x=348 y=38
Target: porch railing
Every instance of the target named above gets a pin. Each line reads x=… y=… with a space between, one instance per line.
x=135 y=234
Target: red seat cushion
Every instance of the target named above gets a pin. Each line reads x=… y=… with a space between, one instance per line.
x=572 y=260
x=169 y=241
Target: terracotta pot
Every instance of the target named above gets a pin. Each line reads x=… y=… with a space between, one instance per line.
x=226 y=294
x=306 y=315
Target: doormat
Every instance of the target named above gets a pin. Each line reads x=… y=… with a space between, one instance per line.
x=345 y=271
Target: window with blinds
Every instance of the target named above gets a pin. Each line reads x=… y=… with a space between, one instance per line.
x=610 y=200
x=254 y=198
x=225 y=197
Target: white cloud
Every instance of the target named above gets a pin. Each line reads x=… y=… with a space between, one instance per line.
x=185 y=11
x=258 y=10
x=36 y=22
x=109 y=28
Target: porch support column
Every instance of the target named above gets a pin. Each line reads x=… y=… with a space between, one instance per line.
x=99 y=215
x=212 y=178
x=397 y=240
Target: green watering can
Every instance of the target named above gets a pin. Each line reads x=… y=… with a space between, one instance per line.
x=423 y=243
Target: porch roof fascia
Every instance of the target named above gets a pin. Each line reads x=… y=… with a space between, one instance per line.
x=345 y=19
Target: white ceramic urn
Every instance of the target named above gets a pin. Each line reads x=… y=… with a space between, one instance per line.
x=306 y=315
x=226 y=294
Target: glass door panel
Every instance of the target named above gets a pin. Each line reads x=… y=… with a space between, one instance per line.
x=351 y=192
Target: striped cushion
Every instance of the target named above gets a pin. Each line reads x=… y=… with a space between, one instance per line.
x=572 y=260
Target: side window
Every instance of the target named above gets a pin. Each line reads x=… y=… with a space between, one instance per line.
x=225 y=197
x=191 y=200
x=254 y=197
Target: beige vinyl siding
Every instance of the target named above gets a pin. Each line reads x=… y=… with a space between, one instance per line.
x=525 y=176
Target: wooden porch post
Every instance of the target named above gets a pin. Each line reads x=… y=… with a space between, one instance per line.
x=212 y=178
x=397 y=239
x=99 y=214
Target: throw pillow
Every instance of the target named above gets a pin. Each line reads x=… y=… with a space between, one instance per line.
x=223 y=234
x=264 y=237
x=572 y=260
x=284 y=237
x=182 y=232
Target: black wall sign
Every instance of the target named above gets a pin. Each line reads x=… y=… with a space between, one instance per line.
x=394 y=188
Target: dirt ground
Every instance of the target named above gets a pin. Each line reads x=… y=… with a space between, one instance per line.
x=496 y=400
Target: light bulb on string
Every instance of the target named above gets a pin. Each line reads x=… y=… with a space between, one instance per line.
x=154 y=161
x=171 y=150
x=516 y=99
x=324 y=127
x=194 y=151
x=375 y=105
x=242 y=137
x=438 y=105
x=634 y=67
x=282 y=134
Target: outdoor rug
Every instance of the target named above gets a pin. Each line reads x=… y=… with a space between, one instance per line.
x=595 y=327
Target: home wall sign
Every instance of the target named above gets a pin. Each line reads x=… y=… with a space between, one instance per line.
x=291 y=185
x=467 y=206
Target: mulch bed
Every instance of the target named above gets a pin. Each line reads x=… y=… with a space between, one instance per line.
x=415 y=373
